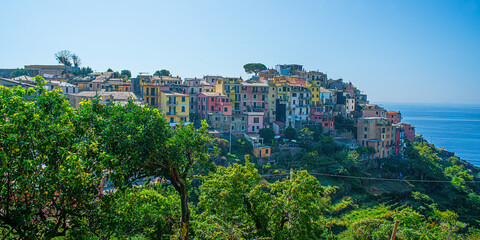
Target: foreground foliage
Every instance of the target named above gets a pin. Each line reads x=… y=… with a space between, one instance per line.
x=123 y=173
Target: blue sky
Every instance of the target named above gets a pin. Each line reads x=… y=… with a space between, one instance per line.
x=395 y=51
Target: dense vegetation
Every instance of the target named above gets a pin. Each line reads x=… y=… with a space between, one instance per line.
x=122 y=173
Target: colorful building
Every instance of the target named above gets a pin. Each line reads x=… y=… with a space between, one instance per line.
x=319 y=117
x=409 y=131
x=213 y=102
x=395 y=117
x=373 y=110
x=231 y=87
x=175 y=106
x=377 y=133
x=195 y=86
x=255 y=97
x=254 y=121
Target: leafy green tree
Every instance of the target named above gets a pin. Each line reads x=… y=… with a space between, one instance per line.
x=126 y=74
x=236 y=203
x=254 y=67
x=241 y=146
x=149 y=211
x=290 y=133
x=163 y=72
x=424 y=162
x=50 y=170
x=19 y=72
x=109 y=70
x=116 y=75
x=76 y=60
x=82 y=72
x=233 y=203
x=64 y=57
x=267 y=134
x=140 y=143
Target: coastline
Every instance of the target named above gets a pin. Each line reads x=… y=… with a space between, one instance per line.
x=455 y=127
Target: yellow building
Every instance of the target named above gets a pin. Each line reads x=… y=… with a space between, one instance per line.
x=151 y=95
x=231 y=87
x=314 y=87
x=175 y=106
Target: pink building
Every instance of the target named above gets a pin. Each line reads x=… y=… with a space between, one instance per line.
x=409 y=131
x=255 y=121
x=254 y=97
x=373 y=110
x=213 y=102
x=318 y=116
x=395 y=117
x=350 y=89
x=399 y=136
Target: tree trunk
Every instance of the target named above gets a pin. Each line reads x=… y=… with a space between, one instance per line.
x=185 y=210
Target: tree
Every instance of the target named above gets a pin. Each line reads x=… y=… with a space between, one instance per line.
x=76 y=60
x=149 y=211
x=126 y=74
x=290 y=132
x=64 y=57
x=140 y=143
x=163 y=72
x=19 y=72
x=236 y=203
x=267 y=134
x=109 y=70
x=49 y=168
x=116 y=75
x=82 y=72
x=254 y=67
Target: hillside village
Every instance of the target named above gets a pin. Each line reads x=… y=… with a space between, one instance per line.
x=354 y=164
x=278 y=98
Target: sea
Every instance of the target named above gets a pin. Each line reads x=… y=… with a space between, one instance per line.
x=455 y=127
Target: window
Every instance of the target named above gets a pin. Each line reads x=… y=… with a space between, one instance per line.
x=225 y=109
x=243 y=128
x=233 y=127
x=213 y=99
x=366 y=129
x=152 y=91
x=293 y=102
x=233 y=119
x=365 y=136
x=183 y=108
x=211 y=108
x=183 y=99
x=255 y=96
x=266 y=151
x=244 y=104
x=244 y=96
x=171 y=120
x=243 y=118
x=256 y=120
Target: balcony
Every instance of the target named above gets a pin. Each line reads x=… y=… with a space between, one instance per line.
x=171 y=113
x=172 y=103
